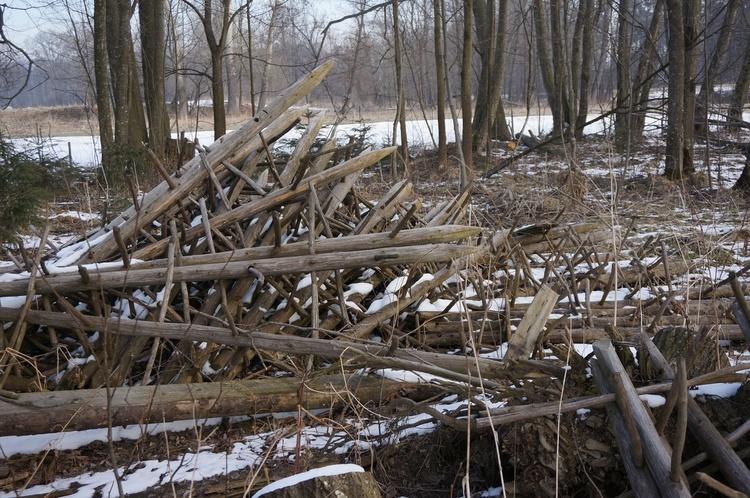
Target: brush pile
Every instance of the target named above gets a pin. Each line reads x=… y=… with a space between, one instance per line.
x=263 y=274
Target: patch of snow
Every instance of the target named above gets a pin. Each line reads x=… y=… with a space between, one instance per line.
x=330 y=470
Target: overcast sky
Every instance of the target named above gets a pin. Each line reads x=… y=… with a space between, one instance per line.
x=24 y=19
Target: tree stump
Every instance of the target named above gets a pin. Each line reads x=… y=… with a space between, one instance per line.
x=676 y=342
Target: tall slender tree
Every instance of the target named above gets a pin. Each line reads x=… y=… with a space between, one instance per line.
x=151 y=15
x=217 y=45
x=440 y=82
x=467 y=135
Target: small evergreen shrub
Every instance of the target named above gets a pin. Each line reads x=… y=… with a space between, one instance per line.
x=27 y=182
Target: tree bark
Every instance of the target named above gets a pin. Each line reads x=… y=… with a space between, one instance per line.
x=545 y=63
x=587 y=20
x=232 y=64
x=401 y=104
x=103 y=104
x=644 y=74
x=440 y=83
x=624 y=99
x=692 y=34
x=467 y=134
x=559 y=67
x=491 y=26
x=217 y=47
x=269 y=56
x=673 y=168
x=151 y=15
x=719 y=56
x=739 y=96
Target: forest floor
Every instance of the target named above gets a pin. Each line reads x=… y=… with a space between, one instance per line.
x=704 y=220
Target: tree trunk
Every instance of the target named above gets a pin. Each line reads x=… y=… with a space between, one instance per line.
x=130 y=121
x=673 y=159
x=692 y=33
x=401 y=104
x=719 y=56
x=103 y=104
x=624 y=99
x=151 y=14
x=467 y=173
x=491 y=26
x=587 y=20
x=563 y=118
x=739 y=96
x=644 y=75
x=440 y=76
x=216 y=46
x=545 y=63
x=233 y=71
x=484 y=21
x=269 y=56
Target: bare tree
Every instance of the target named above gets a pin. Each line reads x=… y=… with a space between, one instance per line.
x=623 y=101
x=401 y=100
x=151 y=16
x=103 y=105
x=16 y=65
x=232 y=63
x=130 y=120
x=491 y=19
x=719 y=55
x=467 y=145
x=645 y=73
x=683 y=32
x=269 y=55
x=739 y=95
x=440 y=79
x=217 y=44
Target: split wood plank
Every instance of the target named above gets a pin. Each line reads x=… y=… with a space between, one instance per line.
x=521 y=344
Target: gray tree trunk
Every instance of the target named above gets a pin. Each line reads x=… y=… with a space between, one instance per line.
x=644 y=75
x=151 y=16
x=103 y=104
x=719 y=56
x=233 y=71
x=269 y=56
x=673 y=159
x=624 y=99
x=467 y=134
x=440 y=77
x=739 y=96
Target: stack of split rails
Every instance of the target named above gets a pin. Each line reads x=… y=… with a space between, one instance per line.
x=229 y=270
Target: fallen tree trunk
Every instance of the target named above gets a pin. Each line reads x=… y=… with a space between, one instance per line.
x=59 y=411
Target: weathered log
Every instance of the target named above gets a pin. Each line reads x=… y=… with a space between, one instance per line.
x=732 y=466
x=641 y=481
x=522 y=343
x=508 y=414
x=50 y=412
x=655 y=451
x=66 y=282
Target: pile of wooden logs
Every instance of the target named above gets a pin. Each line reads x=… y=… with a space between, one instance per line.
x=251 y=262
x=241 y=240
